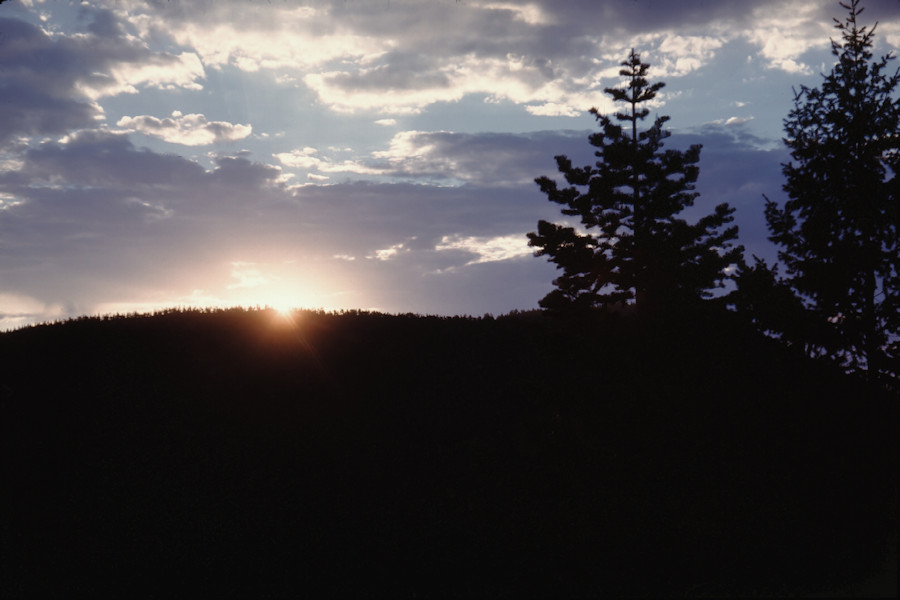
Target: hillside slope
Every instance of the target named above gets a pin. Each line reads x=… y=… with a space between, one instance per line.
x=240 y=453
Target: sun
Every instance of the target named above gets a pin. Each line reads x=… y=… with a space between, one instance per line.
x=283 y=309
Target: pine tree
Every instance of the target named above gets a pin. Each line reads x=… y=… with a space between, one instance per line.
x=839 y=228
x=634 y=247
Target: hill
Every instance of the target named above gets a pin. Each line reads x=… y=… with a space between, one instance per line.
x=244 y=453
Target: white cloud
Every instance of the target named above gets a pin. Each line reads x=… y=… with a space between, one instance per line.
x=306 y=36
x=407 y=145
x=308 y=158
x=679 y=55
x=303 y=158
x=554 y=109
x=488 y=249
x=731 y=121
x=890 y=33
x=189 y=130
x=163 y=71
x=785 y=32
x=334 y=93
x=390 y=252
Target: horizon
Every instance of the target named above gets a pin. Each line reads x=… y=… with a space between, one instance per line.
x=357 y=155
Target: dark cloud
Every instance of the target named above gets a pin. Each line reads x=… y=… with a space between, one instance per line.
x=651 y=15
x=873 y=10
x=103 y=159
x=102 y=22
x=482 y=159
x=37 y=84
x=496 y=20
x=394 y=71
x=47 y=82
x=241 y=173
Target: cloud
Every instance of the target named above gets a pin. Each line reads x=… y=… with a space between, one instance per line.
x=390 y=252
x=783 y=36
x=308 y=158
x=159 y=70
x=731 y=121
x=553 y=109
x=189 y=130
x=303 y=158
x=679 y=55
x=399 y=61
x=448 y=158
x=483 y=159
x=402 y=57
x=551 y=87
x=36 y=97
x=229 y=34
x=487 y=249
x=52 y=82
x=103 y=159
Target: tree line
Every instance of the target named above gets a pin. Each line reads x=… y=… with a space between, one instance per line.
x=838 y=233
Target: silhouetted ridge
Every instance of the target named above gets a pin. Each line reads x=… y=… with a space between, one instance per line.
x=237 y=453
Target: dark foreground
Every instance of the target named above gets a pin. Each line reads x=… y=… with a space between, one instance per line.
x=236 y=454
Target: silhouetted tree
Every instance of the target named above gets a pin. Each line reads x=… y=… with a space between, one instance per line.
x=839 y=229
x=772 y=307
x=635 y=248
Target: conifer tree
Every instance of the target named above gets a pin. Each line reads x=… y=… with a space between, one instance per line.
x=839 y=229
x=634 y=247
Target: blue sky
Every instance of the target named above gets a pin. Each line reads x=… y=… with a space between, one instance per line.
x=374 y=154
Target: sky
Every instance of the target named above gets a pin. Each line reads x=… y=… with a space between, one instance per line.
x=358 y=154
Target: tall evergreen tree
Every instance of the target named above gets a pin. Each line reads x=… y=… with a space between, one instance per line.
x=838 y=231
x=635 y=247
